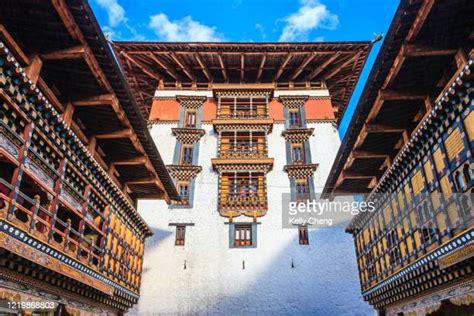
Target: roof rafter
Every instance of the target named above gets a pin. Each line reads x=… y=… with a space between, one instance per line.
x=169 y=70
x=282 y=67
x=260 y=67
x=182 y=66
x=204 y=68
x=223 y=69
x=302 y=66
x=321 y=67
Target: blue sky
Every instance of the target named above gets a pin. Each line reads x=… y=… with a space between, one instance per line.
x=249 y=20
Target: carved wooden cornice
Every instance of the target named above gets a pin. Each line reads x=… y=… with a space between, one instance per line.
x=183 y=172
x=300 y=171
x=263 y=125
x=255 y=165
x=265 y=93
x=297 y=134
x=293 y=102
x=191 y=102
x=188 y=135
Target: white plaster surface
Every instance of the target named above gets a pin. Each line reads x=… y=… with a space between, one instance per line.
x=324 y=280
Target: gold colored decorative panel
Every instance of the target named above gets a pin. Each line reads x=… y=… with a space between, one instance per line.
x=417 y=183
x=438 y=159
x=469 y=125
x=454 y=144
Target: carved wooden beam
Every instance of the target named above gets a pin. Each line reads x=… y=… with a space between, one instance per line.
x=358 y=154
x=223 y=69
x=125 y=133
x=34 y=69
x=242 y=68
x=185 y=69
x=302 y=66
x=103 y=99
x=419 y=20
x=323 y=66
x=415 y=50
x=142 y=67
x=338 y=68
x=75 y=52
x=203 y=67
x=260 y=67
x=282 y=66
x=73 y=29
x=169 y=70
x=383 y=128
x=142 y=160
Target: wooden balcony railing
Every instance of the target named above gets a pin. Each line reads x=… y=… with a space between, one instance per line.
x=242 y=115
x=243 y=150
x=246 y=200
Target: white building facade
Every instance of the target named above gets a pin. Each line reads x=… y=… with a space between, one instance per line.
x=233 y=152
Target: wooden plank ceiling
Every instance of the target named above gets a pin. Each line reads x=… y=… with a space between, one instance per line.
x=150 y=66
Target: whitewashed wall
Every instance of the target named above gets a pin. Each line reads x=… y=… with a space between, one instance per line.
x=324 y=280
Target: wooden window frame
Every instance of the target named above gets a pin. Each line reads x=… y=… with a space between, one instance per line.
x=183 y=156
x=294 y=118
x=180 y=235
x=303 y=236
x=187 y=114
x=301 y=148
x=245 y=229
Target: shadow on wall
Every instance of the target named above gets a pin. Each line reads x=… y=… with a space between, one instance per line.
x=154 y=241
x=323 y=281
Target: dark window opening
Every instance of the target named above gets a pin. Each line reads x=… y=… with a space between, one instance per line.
x=243 y=235
x=303 y=235
x=180 y=234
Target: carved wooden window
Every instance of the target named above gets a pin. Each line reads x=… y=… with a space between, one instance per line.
x=190 y=118
x=180 y=234
x=297 y=153
x=183 y=189
x=303 y=235
x=294 y=118
x=243 y=235
x=302 y=190
x=186 y=155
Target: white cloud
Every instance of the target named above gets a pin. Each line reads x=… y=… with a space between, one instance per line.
x=182 y=30
x=114 y=10
x=261 y=29
x=310 y=16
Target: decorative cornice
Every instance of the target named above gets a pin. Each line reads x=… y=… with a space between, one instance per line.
x=184 y=172
x=188 y=135
x=264 y=125
x=258 y=165
x=191 y=102
x=266 y=93
x=413 y=269
x=300 y=171
x=293 y=101
x=297 y=134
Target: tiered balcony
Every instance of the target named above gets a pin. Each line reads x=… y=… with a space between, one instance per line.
x=242 y=145
x=243 y=193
